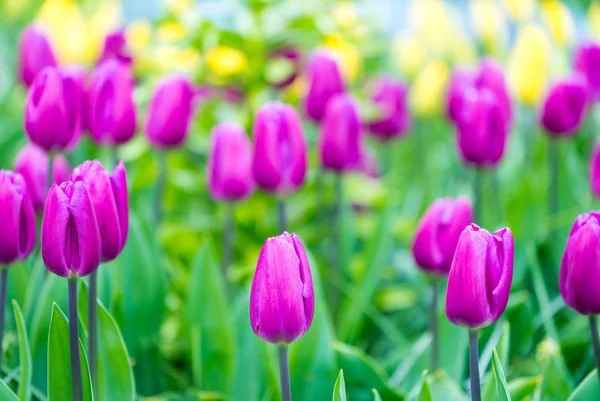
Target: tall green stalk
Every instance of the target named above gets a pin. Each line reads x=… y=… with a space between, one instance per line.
x=76 y=383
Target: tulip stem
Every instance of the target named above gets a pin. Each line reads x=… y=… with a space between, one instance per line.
x=284 y=373
x=93 y=330
x=474 y=366
x=161 y=160
x=282 y=216
x=477 y=193
x=339 y=213
x=433 y=325
x=595 y=341
x=553 y=206
x=76 y=384
x=3 y=283
x=228 y=238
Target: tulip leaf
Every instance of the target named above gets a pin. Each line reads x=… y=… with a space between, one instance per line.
x=523 y=387
x=6 y=394
x=502 y=347
x=59 y=363
x=444 y=388
x=425 y=394
x=376 y=396
x=500 y=379
x=24 y=355
x=339 y=389
x=115 y=377
x=588 y=389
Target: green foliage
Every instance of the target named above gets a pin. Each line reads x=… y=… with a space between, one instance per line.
x=339 y=389
x=24 y=355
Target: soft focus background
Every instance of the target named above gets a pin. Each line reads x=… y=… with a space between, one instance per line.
x=186 y=328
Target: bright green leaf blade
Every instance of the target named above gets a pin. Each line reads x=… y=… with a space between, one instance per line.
x=339 y=389
x=24 y=355
x=523 y=387
x=425 y=394
x=588 y=389
x=376 y=396
x=500 y=379
x=444 y=388
x=6 y=394
x=489 y=391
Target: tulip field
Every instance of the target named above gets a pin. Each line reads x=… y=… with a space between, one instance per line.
x=264 y=200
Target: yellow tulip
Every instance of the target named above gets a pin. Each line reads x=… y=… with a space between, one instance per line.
x=170 y=58
x=345 y=14
x=520 y=10
x=428 y=90
x=487 y=19
x=179 y=7
x=139 y=35
x=226 y=61
x=347 y=54
x=171 y=32
x=408 y=53
x=594 y=17
x=559 y=21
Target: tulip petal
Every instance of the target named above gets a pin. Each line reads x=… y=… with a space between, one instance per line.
x=54 y=227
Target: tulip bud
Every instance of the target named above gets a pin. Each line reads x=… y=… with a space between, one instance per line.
x=282 y=300
x=340 y=141
x=579 y=280
x=325 y=81
x=35 y=53
x=229 y=164
x=170 y=113
x=71 y=245
x=32 y=164
x=115 y=47
x=595 y=170
x=480 y=277
x=491 y=76
x=482 y=128
x=564 y=106
x=587 y=63
x=280 y=155
x=53 y=111
x=390 y=97
x=108 y=194
x=18 y=228
x=460 y=80
x=438 y=233
x=110 y=110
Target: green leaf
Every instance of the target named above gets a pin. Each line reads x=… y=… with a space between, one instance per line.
x=376 y=396
x=523 y=387
x=24 y=355
x=339 y=390
x=115 y=377
x=588 y=389
x=500 y=379
x=6 y=394
x=443 y=388
x=425 y=394
x=59 y=363
x=502 y=348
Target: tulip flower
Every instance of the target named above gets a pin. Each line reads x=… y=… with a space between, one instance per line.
x=115 y=47
x=479 y=286
x=587 y=63
x=564 y=107
x=595 y=171
x=35 y=53
x=34 y=165
x=491 y=76
x=390 y=97
x=460 y=80
x=325 y=81
x=282 y=300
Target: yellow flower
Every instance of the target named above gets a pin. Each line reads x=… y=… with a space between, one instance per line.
x=179 y=6
x=345 y=15
x=139 y=35
x=428 y=89
x=171 y=32
x=409 y=53
x=347 y=54
x=520 y=10
x=528 y=64
x=594 y=17
x=170 y=58
x=431 y=18
x=559 y=21
x=225 y=61
x=488 y=22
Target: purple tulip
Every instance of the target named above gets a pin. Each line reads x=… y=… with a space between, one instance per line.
x=325 y=81
x=53 y=111
x=390 y=97
x=292 y=55
x=438 y=233
x=35 y=53
x=587 y=63
x=280 y=155
x=491 y=76
x=482 y=129
x=460 y=81
x=32 y=163
x=110 y=110
x=564 y=106
x=480 y=277
x=229 y=164
x=18 y=228
x=340 y=141
x=170 y=113
x=595 y=170
x=282 y=300
x=115 y=47
x=108 y=194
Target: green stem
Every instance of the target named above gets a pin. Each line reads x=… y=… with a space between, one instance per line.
x=474 y=366
x=284 y=373
x=161 y=160
x=228 y=237
x=76 y=383
x=282 y=215
x=338 y=242
x=554 y=184
x=433 y=326
x=93 y=330
x=3 y=283
x=595 y=341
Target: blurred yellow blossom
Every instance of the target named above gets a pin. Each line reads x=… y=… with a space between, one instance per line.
x=139 y=35
x=347 y=54
x=428 y=89
x=179 y=6
x=460 y=49
x=408 y=53
x=520 y=10
x=489 y=24
x=559 y=21
x=170 y=58
x=594 y=17
x=528 y=64
x=345 y=14
x=432 y=18
x=225 y=61
x=171 y=31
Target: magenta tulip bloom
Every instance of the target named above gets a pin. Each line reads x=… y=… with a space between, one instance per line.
x=230 y=163
x=579 y=280
x=325 y=81
x=115 y=47
x=32 y=163
x=480 y=277
x=110 y=110
x=491 y=76
x=438 y=233
x=390 y=98
x=340 y=141
x=71 y=245
x=595 y=170
x=53 y=111
x=482 y=129
x=35 y=53
x=460 y=81
x=18 y=228
x=564 y=106
x=282 y=300
x=170 y=113
x=280 y=155
x=108 y=194
x=587 y=63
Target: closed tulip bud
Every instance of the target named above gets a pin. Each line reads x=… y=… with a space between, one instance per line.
x=587 y=63
x=110 y=110
x=340 y=141
x=71 y=245
x=491 y=76
x=595 y=170
x=390 y=98
x=18 y=228
x=230 y=163
x=482 y=129
x=108 y=194
x=282 y=300
x=460 y=80
x=579 y=280
x=480 y=277
x=280 y=155
x=438 y=233
x=170 y=113
x=53 y=111
x=325 y=81
x=115 y=47
x=35 y=53
x=564 y=106
x=32 y=163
